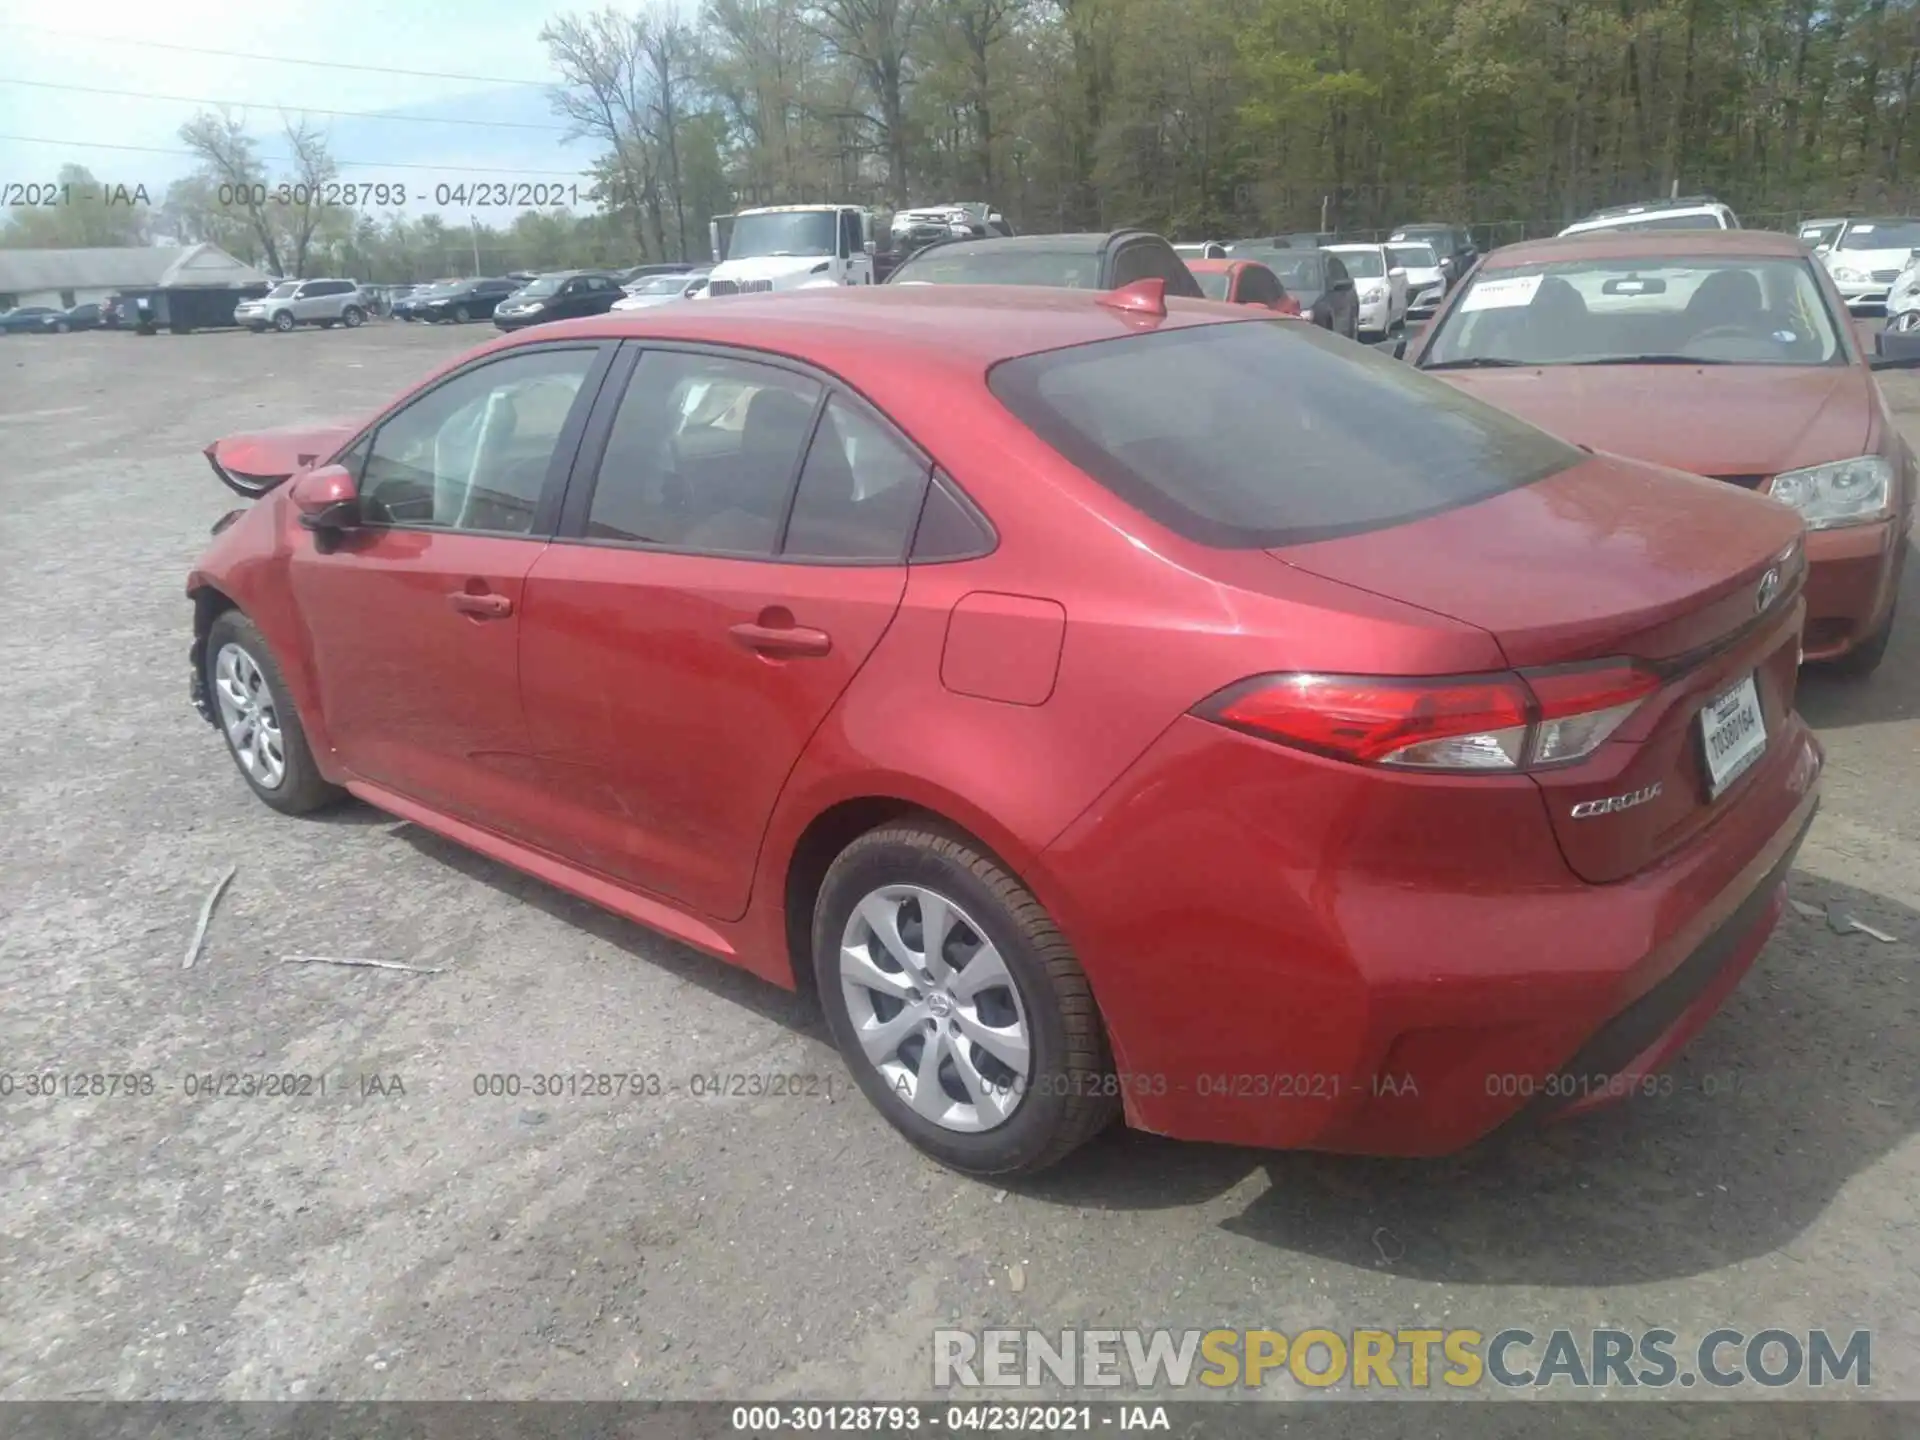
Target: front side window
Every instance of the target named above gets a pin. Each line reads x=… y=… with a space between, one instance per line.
x=1648 y=309
x=703 y=454
x=1343 y=439
x=473 y=453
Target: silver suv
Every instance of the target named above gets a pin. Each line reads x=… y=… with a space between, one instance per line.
x=304 y=302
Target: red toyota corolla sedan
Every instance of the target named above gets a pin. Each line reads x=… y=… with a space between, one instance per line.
x=1350 y=770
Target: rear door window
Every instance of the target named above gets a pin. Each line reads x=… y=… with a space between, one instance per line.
x=1342 y=439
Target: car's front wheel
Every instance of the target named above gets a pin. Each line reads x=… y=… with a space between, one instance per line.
x=284 y=321
x=958 y=1004
x=258 y=718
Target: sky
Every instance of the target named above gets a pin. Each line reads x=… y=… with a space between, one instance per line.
x=487 y=54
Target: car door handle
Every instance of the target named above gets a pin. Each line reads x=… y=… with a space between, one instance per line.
x=484 y=606
x=782 y=639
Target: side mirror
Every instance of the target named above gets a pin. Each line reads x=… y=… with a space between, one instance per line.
x=327 y=499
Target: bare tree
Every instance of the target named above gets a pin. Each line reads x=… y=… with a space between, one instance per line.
x=876 y=37
x=226 y=151
x=313 y=168
x=606 y=92
x=669 y=48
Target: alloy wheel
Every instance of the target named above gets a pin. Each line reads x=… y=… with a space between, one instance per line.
x=250 y=716
x=935 y=1008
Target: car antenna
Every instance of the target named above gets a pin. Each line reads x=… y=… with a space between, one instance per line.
x=1142 y=297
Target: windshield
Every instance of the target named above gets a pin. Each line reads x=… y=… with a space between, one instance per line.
x=1660 y=222
x=1362 y=264
x=1301 y=271
x=1821 y=234
x=545 y=285
x=1415 y=257
x=783 y=232
x=1643 y=310
x=659 y=285
x=993 y=264
x=1342 y=439
x=281 y=292
x=1882 y=235
x=1422 y=235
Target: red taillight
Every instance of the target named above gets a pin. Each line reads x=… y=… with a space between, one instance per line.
x=1458 y=723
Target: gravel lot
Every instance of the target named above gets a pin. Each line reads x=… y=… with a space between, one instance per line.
x=436 y=1244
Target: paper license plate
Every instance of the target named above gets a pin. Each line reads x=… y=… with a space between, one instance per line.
x=1734 y=734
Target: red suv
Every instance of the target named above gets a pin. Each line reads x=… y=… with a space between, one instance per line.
x=1353 y=768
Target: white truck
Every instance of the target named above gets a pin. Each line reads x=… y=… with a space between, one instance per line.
x=791 y=247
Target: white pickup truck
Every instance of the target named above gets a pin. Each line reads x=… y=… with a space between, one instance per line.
x=791 y=247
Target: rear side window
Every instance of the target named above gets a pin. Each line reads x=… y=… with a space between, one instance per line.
x=1341 y=439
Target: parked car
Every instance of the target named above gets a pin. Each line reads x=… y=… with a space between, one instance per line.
x=1091 y=261
x=563 y=295
x=1243 y=282
x=1201 y=250
x=660 y=290
x=325 y=303
x=1380 y=287
x=1426 y=279
x=1453 y=244
x=406 y=307
x=1691 y=212
x=468 y=300
x=1726 y=353
x=633 y=274
x=1150 y=738
x=34 y=320
x=1316 y=281
x=84 y=316
x=1868 y=257
x=1820 y=233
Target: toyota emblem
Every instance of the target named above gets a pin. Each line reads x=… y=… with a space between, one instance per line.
x=1769 y=587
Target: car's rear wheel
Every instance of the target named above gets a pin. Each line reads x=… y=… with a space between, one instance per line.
x=462 y=314
x=352 y=316
x=284 y=321
x=958 y=1005
x=257 y=716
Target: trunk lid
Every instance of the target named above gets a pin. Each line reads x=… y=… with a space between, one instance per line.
x=1613 y=558
x=255 y=461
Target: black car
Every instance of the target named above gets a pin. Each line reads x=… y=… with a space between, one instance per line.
x=468 y=300
x=407 y=307
x=34 y=320
x=1095 y=260
x=563 y=295
x=1319 y=281
x=1452 y=243
x=84 y=316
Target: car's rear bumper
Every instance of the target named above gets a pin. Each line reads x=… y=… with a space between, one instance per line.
x=1852 y=574
x=1275 y=970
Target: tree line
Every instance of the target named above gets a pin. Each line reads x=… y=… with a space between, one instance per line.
x=1193 y=117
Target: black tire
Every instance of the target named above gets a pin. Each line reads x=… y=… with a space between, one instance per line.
x=352 y=316
x=301 y=788
x=1864 y=658
x=1070 y=1095
x=284 y=321
x=461 y=314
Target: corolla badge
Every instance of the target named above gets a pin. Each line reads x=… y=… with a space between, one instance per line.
x=1769 y=587
x=1613 y=804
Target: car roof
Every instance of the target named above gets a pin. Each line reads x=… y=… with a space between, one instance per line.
x=867 y=329
x=1630 y=244
x=1075 y=241
x=1356 y=245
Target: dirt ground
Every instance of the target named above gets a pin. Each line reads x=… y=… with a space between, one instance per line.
x=405 y=1237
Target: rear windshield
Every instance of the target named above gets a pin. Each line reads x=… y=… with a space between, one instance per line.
x=1299 y=270
x=994 y=265
x=1665 y=222
x=1414 y=257
x=1362 y=264
x=1270 y=432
